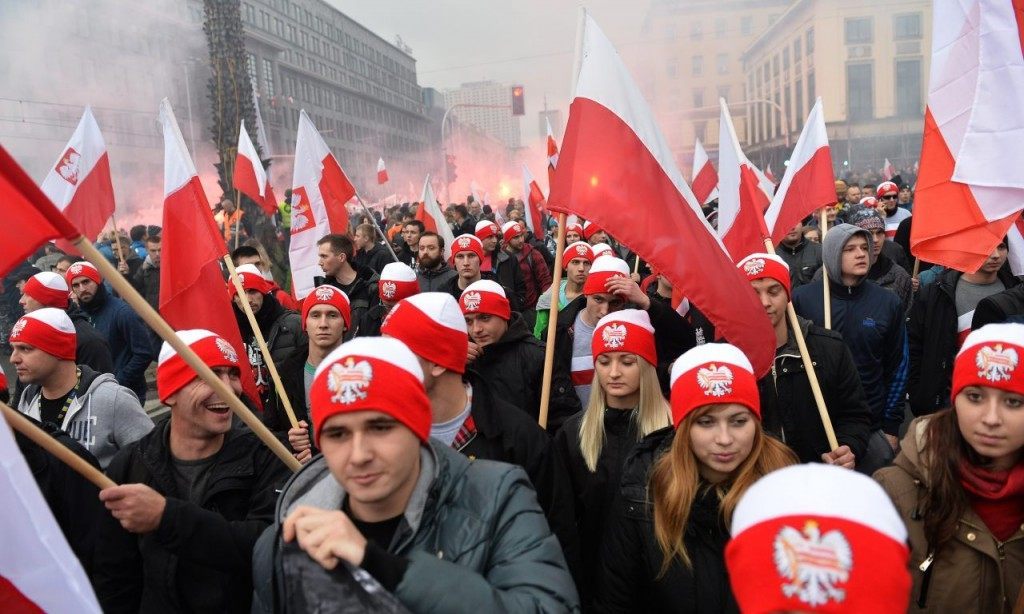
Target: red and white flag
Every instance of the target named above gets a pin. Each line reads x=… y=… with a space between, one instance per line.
x=970 y=188
x=769 y=175
x=808 y=184
x=741 y=201
x=552 y=153
x=250 y=178
x=705 y=177
x=79 y=182
x=533 y=200
x=1015 y=246
x=320 y=190
x=888 y=170
x=433 y=219
x=613 y=157
x=192 y=290
x=382 y=172
x=38 y=570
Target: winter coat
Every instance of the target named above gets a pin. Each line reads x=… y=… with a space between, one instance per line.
x=374 y=258
x=104 y=416
x=147 y=281
x=788 y=410
x=973 y=572
x=91 y=348
x=369 y=325
x=895 y=252
x=514 y=367
x=535 y=273
x=803 y=260
x=505 y=270
x=436 y=280
x=127 y=336
x=282 y=332
x=200 y=557
x=563 y=346
x=999 y=307
x=891 y=276
x=362 y=293
x=674 y=334
x=631 y=559
x=472 y=538
x=932 y=341
x=291 y=370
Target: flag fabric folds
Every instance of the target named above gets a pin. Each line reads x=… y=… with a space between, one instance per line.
x=552 y=153
x=888 y=170
x=382 y=172
x=533 y=201
x=705 y=177
x=741 y=201
x=433 y=219
x=250 y=178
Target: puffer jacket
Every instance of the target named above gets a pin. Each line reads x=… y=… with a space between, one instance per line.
x=473 y=538
x=127 y=336
x=436 y=280
x=974 y=572
x=803 y=260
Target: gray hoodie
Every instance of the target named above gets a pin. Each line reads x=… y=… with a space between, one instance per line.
x=104 y=418
x=832 y=249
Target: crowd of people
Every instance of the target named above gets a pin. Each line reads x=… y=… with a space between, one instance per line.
x=661 y=474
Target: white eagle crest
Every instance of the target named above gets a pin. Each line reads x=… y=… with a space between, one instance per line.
x=387 y=288
x=324 y=293
x=18 y=327
x=226 y=349
x=67 y=168
x=815 y=565
x=715 y=380
x=471 y=301
x=754 y=266
x=581 y=250
x=996 y=363
x=614 y=336
x=348 y=381
x=75 y=270
x=464 y=242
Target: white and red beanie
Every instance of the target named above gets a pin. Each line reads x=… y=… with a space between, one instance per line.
x=869 y=201
x=252 y=279
x=371 y=374
x=578 y=249
x=766 y=266
x=173 y=373
x=82 y=268
x=48 y=329
x=485 y=296
x=509 y=230
x=589 y=228
x=628 y=330
x=711 y=374
x=467 y=243
x=486 y=229
x=602 y=249
x=991 y=356
x=47 y=288
x=886 y=188
x=397 y=281
x=818 y=538
x=327 y=295
x=432 y=325
x=574 y=227
x=603 y=270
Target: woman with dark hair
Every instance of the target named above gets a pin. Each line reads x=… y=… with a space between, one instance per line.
x=663 y=550
x=958 y=482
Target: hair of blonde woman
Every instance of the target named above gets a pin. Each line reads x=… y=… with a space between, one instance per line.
x=652 y=413
x=675 y=480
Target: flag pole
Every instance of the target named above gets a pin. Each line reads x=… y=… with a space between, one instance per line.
x=380 y=233
x=917 y=267
x=203 y=371
x=827 y=303
x=261 y=342
x=549 y=347
x=23 y=425
x=117 y=238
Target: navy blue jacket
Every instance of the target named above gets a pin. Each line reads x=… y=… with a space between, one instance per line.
x=127 y=336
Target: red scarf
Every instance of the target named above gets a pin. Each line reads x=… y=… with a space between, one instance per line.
x=997 y=496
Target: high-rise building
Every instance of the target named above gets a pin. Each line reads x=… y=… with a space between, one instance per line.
x=487 y=105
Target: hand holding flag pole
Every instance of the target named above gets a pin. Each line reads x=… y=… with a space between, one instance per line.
x=549 y=345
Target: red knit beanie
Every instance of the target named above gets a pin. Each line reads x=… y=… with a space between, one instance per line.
x=47 y=288
x=48 y=329
x=766 y=266
x=628 y=330
x=578 y=249
x=432 y=325
x=251 y=278
x=327 y=295
x=604 y=269
x=173 y=373
x=485 y=229
x=82 y=268
x=467 y=243
x=485 y=296
x=990 y=357
x=397 y=281
x=510 y=230
x=711 y=374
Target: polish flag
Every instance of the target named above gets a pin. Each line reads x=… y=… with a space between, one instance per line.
x=888 y=170
x=320 y=190
x=192 y=293
x=808 y=184
x=382 y=173
x=970 y=189
x=1015 y=246
x=769 y=175
x=250 y=178
x=533 y=198
x=741 y=202
x=552 y=153
x=79 y=182
x=433 y=219
x=614 y=156
x=705 y=178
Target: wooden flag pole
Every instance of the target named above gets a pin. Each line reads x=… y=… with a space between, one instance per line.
x=203 y=371
x=23 y=425
x=549 y=346
x=824 y=273
x=117 y=239
x=917 y=268
x=636 y=265
x=261 y=342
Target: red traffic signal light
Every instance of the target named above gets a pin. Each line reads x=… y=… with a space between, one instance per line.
x=518 y=102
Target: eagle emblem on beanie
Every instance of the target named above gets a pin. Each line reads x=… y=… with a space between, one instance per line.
x=324 y=293
x=387 y=288
x=754 y=266
x=226 y=349
x=18 y=327
x=581 y=250
x=715 y=380
x=348 y=380
x=812 y=565
x=464 y=242
x=471 y=301
x=76 y=269
x=996 y=363
x=614 y=336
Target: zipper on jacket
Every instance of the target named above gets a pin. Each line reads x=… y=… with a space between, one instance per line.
x=775 y=384
x=926 y=567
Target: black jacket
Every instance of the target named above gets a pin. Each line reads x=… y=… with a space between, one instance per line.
x=147 y=281
x=507 y=273
x=436 y=280
x=362 y=293
x=91 y=348
x=375 y=258
x=466 y=227
x=674 y=334
x=369 y=325
x=563 y=340
x=788 y=410
x=902 y=239
x=291 y=370
x=514 y=367
x=200 y=558
x=998 y=307
x=803 y=260
x=631 y=559
x=282 y=331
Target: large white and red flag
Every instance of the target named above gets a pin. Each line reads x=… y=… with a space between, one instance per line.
x=741 y=201
x=970 y=189
x=320 y=190
x=382 y=172
x=808 y=183
x=533 y=201
x=613 y=158
x=433 y=219
x=38 y=570
x=705 y=177
x=888 y=170
x=552 y=146
x=249 y=177
x=79 y=182
x=192 y=289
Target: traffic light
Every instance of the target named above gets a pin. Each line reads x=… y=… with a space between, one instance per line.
x=450 y=168
x=518 y=103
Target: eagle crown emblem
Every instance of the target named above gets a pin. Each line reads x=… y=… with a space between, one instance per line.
x=996 y=363
x=754 y=266
x=715 y=380
x=67 y=168
x=813 y=564
x=464 y=242
x=614 y=336
x=388 y=288
x=227 y=350
x=76 y=269
x=324 y=293
x=348 y=380
x=581 y=250
x=18 y=327
x=471 y=301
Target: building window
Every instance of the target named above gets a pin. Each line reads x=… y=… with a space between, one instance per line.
x=798 y=50
x=798 y=90
x=812 y=95
x=908 y=88
x=251 y=66
x=859 y=91
x=746 y=26
x=697 y=68
x=268 y=77
x=723 y=92
x=858 y=30
x=700 y=130
x=810 y=41
x=906 y=27
x=695 y=31
x=720 y=27
x=698 y=98
x=722 y=63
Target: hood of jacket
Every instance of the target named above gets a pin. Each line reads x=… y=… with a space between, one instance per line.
x=911 y=458
x=832 y=249
x=98 y=302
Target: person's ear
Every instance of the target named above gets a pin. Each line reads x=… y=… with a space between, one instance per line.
x=436 y=370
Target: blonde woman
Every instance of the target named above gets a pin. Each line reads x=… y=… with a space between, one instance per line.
x=625 y=405
x=664 y=548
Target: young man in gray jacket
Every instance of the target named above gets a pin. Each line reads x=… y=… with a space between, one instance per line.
x=436 y=530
